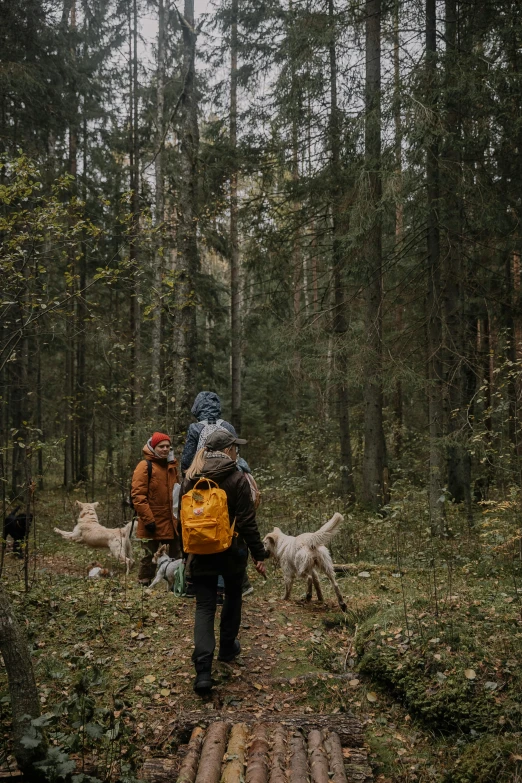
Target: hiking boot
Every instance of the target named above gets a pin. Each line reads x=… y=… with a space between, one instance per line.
x=203 y=683
x=190 y=590
x=246 y=587
x=229 y=656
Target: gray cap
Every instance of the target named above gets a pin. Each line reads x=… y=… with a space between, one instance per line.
x=222 y=439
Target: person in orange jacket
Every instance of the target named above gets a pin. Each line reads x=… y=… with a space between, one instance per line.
x=152 y=485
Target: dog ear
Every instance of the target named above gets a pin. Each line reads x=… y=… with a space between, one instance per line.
x=162 y=550
x=270 y=539
x=79 y=503
x=95 y=505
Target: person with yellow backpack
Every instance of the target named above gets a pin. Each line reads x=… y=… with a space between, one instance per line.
x=219 y=528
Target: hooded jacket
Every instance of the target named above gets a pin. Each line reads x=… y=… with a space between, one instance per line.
x=153 y=499
x=226 y=474
x=207 y=407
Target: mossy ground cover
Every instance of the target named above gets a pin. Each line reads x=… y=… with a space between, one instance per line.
x=427 y=655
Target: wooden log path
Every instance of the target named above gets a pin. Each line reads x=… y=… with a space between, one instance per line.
x=303 y=748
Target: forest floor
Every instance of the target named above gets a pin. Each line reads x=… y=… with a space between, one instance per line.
x=427 y=659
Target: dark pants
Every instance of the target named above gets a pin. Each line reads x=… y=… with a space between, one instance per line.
x=204 y=639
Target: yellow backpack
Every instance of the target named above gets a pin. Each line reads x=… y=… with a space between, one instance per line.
x=205 y=521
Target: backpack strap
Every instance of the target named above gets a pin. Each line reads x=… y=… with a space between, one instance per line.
x=209 y=482
x=149 y=469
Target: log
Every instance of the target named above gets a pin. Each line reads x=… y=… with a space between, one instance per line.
x=333 y=747
x=257 y=765
x=317 y=757
x=347 y=727
x=278 y=757
x=356 y=766
x=298 y=761
x=189 y=765
x=234 y=761
x=209 y=770
x=158 y=770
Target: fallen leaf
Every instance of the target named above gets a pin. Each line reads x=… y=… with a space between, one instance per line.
x=371 y=696
x=354 y=683
x=364 y=574
x=470 y=674
x=149 y=678
x=257 y=686
x=165 y=692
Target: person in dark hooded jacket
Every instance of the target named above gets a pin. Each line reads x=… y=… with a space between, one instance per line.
x=218 y=462
x=207 y=410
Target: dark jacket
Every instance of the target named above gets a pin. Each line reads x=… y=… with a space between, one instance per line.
x=225 y=473
x=207 y=407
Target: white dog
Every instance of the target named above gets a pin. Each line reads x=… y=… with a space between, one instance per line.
x=304 y=555
x=167 y=567
x=88 y=531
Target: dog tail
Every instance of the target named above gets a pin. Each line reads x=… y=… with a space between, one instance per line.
x=324 y=535
x=127 y=529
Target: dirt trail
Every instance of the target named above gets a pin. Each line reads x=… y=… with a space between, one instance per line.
x=296 y=663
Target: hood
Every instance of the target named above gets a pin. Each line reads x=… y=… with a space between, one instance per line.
x=207 y=405
x=149 y=453
x=217 y=466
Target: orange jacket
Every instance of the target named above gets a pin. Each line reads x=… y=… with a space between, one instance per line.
x=153 y=500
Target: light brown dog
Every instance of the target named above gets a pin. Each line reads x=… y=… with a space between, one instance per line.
x=89 y=532
x=304 y=555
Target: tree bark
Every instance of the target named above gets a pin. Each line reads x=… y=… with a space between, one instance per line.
x=374 y=482
x=433 y=300
x=209 y=770
x=235 y=312
x=68 y=477
x=340 y=325
x=399 y=212
x=134 y=176
x=454 y=273
x=159 y=192
x=258 y=755
x=25 y=705
x=82 y=413
x=185 y=376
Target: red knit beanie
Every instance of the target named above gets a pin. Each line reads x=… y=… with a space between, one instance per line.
x=158 y=437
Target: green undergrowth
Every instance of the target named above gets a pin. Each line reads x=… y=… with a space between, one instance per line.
x=488 y=760
x=427 y=655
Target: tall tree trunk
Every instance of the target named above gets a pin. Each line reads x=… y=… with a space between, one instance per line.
x=134 y=165
x=185 y=377
x=456 y=347
x=340 y=323
x=488 y=376
x=235 y=318
x=82 y=413
x=39 y=410
x=25 y=705
x=399 y=212
x=159 y=259
x=19 y=400
x=433 y=299
x=68 y=476
x=375 y=483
